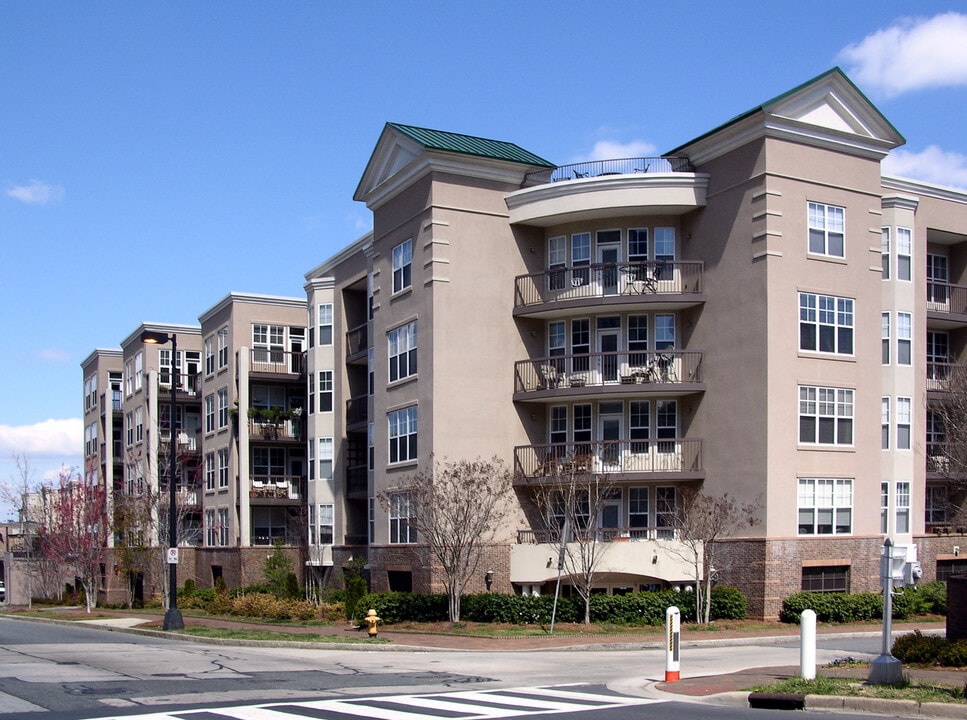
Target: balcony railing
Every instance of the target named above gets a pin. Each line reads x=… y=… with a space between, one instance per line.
x=278 y=362
x=946 y=298
x=264 y=538
x=357 y=340
x=610 y=368
x=560 y=460
x=357 y=410
x=285 y=487
x=357 y=480
x=282 y=430
x=615 y=534
x=187 y=383
x=598 y=168
x=629 y=279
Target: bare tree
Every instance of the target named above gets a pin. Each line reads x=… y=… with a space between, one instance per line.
x=453 y=510
x=700 y=522
x=946 y=448
x=569 y=506
x=75 y=534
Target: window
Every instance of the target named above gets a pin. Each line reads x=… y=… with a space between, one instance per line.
x=558 y=426
x=938 y=355
x=580 y=259
x=904 y=413
x=210 y=471
x=885 y=423
x=582 y=429
x=401 y=513
x=223 y=408
x=885 y=252
x=904 y=338
x=936 y=436
x=903 y=507
x=223 y=348
x=129 y=428
x=935 y=505
x=268 y=343
x=325 y=523
x=210 y=529
x=325 y=324
x=638 y=249
x=557 y=343
x=827 y=226
x=325 y=391
x=825 y=506
x=825 y=324
x=312 y=524
x=638 y=426
x=904 y=254
x=138 y=424
x=90 y=393
x=223 y=526
x=370 y=371
x=128 y=378
x=402 y=352
x=223 y=468
x=664 y=244
x=268 y=464
x=556 y=263
x=580 y=344
x=638 y=508
x=209 y=413
x=311 y=392
x=937 y=278
x=638 y=340
x=946 y=568
x=312 y=461
x=885 y=334
x=325 y=458
x=402 y=266
x=138 y=370
x=664 y=332
x=666 y=425
x=402 y=435
x=884 y=507
x=665 y=511
x=825 y=415
x=210 y=367
x=826 y=579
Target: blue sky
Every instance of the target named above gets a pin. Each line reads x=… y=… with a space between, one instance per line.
x=231 y=136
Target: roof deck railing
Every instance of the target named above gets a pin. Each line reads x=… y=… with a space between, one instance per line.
x=597 y=168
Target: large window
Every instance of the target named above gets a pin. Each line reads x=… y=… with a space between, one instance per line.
x=825 y=506
x=557 y=343
x=223 y=468
x=935 y=505
x=580 y=259
x=903 y=507
x=638 y=508
x=580 y=344
x=826 y=579
x=937 y=279
x=825 y=323
x=209 y=413
x=827 y=230
x=223 y=408
x=904 y=420
x=402 y=266
x=904 y=338
x=825 y=415
x=402 y=435
x=223 y=526
x=325 y=458
x=558 y=425
x=325 y=324
x=904 y=254
x=211 y=530
x=638 y=248
x=664 y=331
x=638 y=425
x=665 y=512
x=268 y=464
x=210 y=365
x=402 y=352
x=556 y=263
x=664 y=244
x=401 y=514
x=325 y=391
x=138 y=370
x=223 y=348
x=325 y=523
x=210 y=471
x=268 y=343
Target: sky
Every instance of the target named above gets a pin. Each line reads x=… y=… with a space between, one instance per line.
x=141 y=142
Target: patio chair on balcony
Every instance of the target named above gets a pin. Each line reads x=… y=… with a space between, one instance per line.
x=550 y=378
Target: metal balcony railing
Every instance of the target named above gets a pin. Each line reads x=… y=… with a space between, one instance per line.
x=601 y=280
x=282 y=430
x=946 y=298
x=649 y=455
x=286 y=487
x=357 y=410
x=615 y=534
x=278 y=362
x=357 y=340
x=610 y=368
x=599 y=168
x=357 y=479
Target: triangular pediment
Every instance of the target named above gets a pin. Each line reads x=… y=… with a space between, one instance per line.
x=393 y=153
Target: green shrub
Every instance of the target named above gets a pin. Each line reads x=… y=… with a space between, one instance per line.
x=728 y=603
x=927 y=599
x=290 y=589
x=189 y=589
x=355 y=590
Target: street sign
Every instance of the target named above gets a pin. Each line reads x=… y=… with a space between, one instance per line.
x=173 y=556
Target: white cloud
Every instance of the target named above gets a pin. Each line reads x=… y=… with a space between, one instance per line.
x=36 y=192
x=610 y=150
x=53 y=355
x=911 y=54
x=931 y=165
x=57 y=438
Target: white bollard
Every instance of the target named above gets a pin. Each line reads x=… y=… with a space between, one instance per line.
x=673 y=631
x=807 y=645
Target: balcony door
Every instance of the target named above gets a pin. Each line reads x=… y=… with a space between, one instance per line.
x=608 y=330
x=608 y=258
x=609 y=433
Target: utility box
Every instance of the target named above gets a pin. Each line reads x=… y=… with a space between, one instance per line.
x=905 y=569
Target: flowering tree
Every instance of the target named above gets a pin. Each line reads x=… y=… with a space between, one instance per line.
x=75 y=533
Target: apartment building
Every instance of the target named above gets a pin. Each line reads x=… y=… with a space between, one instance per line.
x=745 y=315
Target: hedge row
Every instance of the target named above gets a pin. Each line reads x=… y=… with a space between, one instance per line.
x=930 y=650
x=927 y=599
x=647 y=608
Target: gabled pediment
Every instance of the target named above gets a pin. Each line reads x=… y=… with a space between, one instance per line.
x=827 y=111
x=392 y=155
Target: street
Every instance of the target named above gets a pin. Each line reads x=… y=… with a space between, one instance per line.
x=58 y=672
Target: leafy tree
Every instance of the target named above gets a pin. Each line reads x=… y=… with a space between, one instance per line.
x=278 y=566
x=355 y=585
x=457 y=509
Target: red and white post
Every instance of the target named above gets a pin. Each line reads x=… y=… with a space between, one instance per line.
x=673 y=631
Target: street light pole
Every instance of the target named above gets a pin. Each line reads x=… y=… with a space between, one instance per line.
x=173 y=619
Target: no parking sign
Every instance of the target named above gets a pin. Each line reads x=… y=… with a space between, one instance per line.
x=173 y=556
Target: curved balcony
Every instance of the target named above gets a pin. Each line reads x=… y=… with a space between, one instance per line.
x=644 y=459
x=655 y=285
x=609 y=374
x=608 y=188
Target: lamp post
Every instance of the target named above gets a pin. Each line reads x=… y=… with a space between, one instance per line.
x=173 y=619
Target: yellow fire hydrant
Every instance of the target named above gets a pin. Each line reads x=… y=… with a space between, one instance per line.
x=372 y=621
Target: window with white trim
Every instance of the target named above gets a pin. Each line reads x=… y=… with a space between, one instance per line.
x=129 y=378
x=325 y=391
x=556 y=263
x=402 y=435
x=825 y=506
x=937 y=278
x=666 y=510
x=935 y=505
x=904 y=416
x=402 y=351
x=211 y=532
x=223 y=468
x=885 y=335
x=557 y=433
x=138 y=424
x=664 y=331
x=223 y=408
x=129 y=428
x=885 y=423
x=825 y=415
x=210 y=364
x=401 y=514
x=580 y=258
x=210 y=413
x=268 y=343
x=903 y=507
x=138 y=370
x=312 y=524
x=639 y=426
x=325 y=523
x=638 y=509
x=825 y=323
x=884 y=507
x=665 y=244
x=90 y=392
x=325 y=324
x=885 y=252
x=312 y=460
x=402 y=266
x=580 y=344
x=638 y=247
x=904 y=338
x=223 y=527
x=325 y=458
x=904 y=254
x=223 y=348
x=210 y=471
x=311 y=393
x=827 y=230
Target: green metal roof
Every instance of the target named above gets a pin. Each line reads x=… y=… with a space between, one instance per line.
x=469 y=145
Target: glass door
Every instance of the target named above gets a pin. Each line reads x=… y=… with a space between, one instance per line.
x=608 y=257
